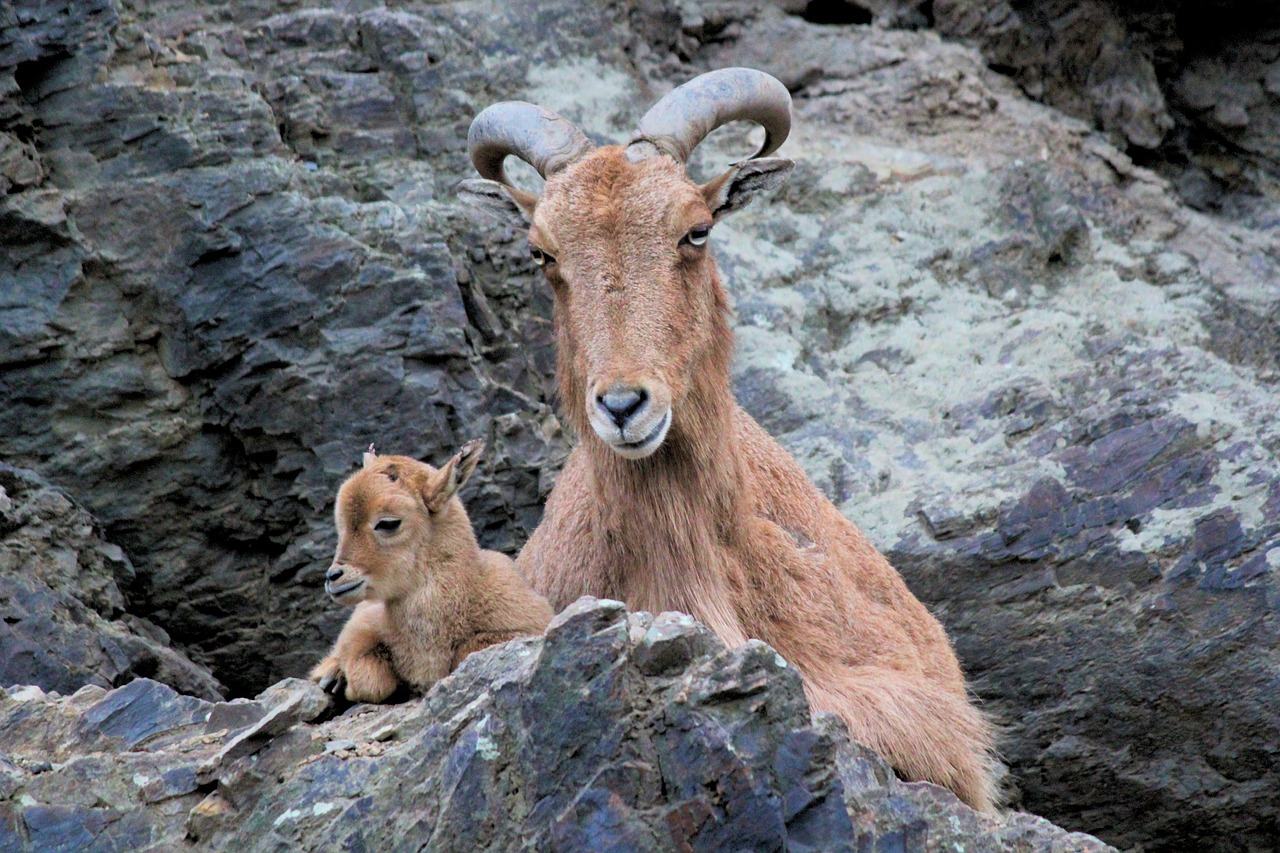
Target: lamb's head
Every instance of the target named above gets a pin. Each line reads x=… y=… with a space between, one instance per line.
x=391 y=514
x=622 y=235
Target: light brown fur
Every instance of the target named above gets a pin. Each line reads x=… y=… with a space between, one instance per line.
x=430 y=595
x=720 y=521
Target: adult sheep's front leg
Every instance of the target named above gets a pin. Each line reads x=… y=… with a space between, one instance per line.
x=359 y=667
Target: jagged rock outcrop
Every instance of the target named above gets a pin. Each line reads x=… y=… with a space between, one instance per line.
x=1045 y=387
x=1192 y=88
x=617 y=732
x=63 y=622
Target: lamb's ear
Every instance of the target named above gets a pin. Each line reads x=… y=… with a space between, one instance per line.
x=445 y=483
x=736 y=187
x=512 y=206
x=369 y=456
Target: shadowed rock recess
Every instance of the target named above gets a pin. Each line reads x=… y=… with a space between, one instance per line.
x=618 y=732
x=1045 y=385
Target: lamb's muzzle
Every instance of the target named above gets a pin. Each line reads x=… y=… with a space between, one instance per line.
x=343 y=593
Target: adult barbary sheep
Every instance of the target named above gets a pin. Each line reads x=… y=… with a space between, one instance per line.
x=426 y=596
x=675 y=498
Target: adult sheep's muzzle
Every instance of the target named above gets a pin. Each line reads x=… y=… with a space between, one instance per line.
x=631 y=419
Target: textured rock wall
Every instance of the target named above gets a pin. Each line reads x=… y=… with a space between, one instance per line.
x=1044 y=386
x=234 y=276
x=63 y=622
x=1191 y=88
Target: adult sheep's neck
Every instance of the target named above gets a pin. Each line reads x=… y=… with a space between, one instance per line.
x=661 y=523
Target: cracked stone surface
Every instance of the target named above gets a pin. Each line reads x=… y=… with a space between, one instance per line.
x=63 y=622
x=715 y=752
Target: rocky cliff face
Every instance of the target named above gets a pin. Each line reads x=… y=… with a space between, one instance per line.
x=1190 y=89
x=1044 y=385
x=63 y=622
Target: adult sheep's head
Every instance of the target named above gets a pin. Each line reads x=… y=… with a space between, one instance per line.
x=393 y=515
x=623 y=236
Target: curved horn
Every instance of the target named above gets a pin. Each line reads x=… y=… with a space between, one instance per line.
x=546 y=141
x=677 y=123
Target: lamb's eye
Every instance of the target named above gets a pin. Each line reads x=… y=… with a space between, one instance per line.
x=698 y=236
x=541 y=258
x=387 y=525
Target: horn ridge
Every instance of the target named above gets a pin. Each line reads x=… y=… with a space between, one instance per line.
x=542 y=138
x=678 y=122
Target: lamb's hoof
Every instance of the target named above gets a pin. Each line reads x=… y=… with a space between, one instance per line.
x=333 y=683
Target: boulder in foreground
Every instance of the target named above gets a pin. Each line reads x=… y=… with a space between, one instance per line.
x=617 y=731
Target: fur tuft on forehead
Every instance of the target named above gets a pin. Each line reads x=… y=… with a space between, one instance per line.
x=386 y=477
x=395 y=469
x=603 y=192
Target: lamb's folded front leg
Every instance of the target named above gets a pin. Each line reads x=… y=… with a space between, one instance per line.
x=359 y=666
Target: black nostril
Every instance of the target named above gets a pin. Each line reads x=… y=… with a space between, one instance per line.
x=333 y=574
x=622 y=403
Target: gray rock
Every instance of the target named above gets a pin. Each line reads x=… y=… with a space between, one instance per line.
x=557 y=744
x=284 y=704
x=1074 y=56
x=671 y=642
x=1184 y=85
x=139 y=711
x=63 y=622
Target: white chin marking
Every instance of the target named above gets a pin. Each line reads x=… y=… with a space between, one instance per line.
x=637 y=449
x=348 y=593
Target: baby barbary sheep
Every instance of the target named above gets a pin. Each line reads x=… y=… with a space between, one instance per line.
x=426 y=595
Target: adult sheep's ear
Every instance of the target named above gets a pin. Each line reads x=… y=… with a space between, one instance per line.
x=737 y=187
x=510 y=205
x=444 y=484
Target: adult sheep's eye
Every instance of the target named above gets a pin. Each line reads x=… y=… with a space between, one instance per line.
x=541 y=258
x=387 y=525
x=698 y=236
